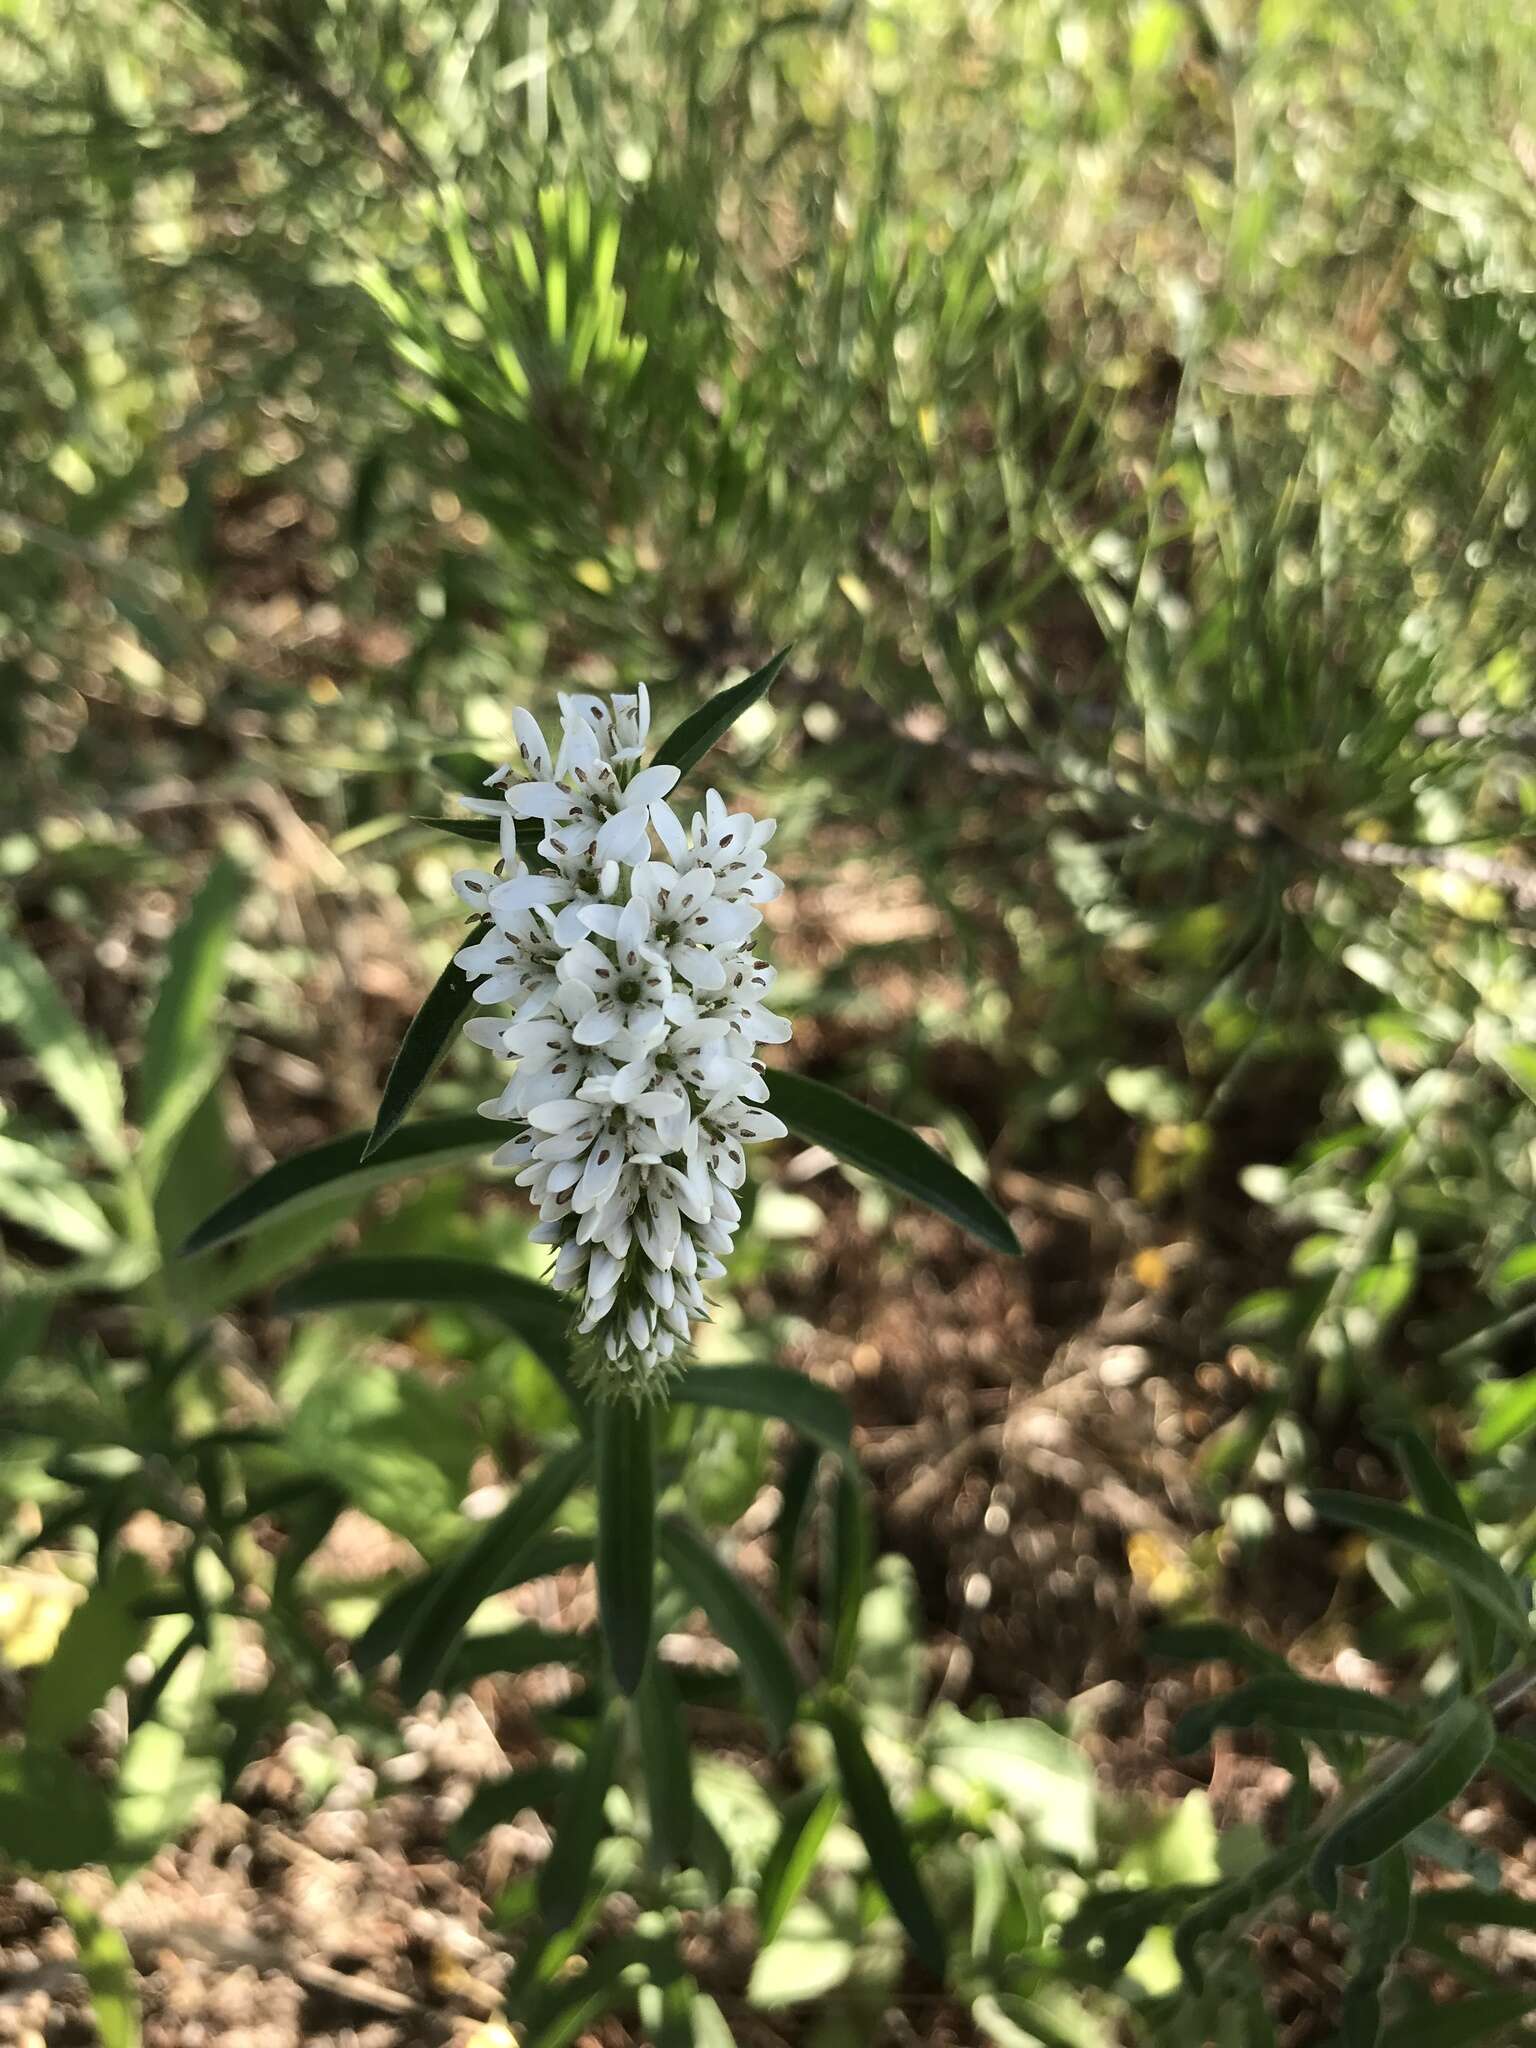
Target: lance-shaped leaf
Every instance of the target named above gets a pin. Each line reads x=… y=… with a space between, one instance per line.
x=478 y=831
x=688 y=743
x=425 y=1044
x=847 y=1571
x=1437 y=1496
x=336 y=1169
x=877 y=1144
x=1193 y=1642
x=1455 y=1749
x=738 y=1621
x=796 y=1488
x=772 y=1390
x=1388 y=1913
x=890 y=1853
x=529 y=1309
x=1461 y=1557
x=176 y=1036
x=1284 y=1700
x=807 y=1819
x=1230 y=1905
x=668 y=1768
x=78 y=1070
x=427 y=1622
x=579 y=1826
x=626 y=1536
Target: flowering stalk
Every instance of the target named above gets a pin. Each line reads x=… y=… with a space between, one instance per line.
x=637 y=1011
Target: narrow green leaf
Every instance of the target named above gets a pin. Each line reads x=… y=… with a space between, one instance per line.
x=479 y=831
x=1195 y=1642
x=1435 y=1493
x=499 y=1652
x=1455 y=1750
x=807 y=1819
x=1468 y=1905
x=1388 y=1912
x=626 y=1536
x=571 y=2005
x=890 y=1853
x=110 y=1978
x=1284 y=1700
x=579 y=1826
x=98 y=1639
x=1231 y=1905
x=1475 y=2022
x=176 y=1036
x=425 y=1044
x=1462 y=1558
x=738 y=1621
x=772 y=1390
x=667 y=1765
x=78 y=1070
x=457 y=1588
x=796 y=1488
x=688 y=743
x=53 y=1814
x=877 y=1144
x=529 y=1309
x=847 y=1571
x=326 y=1171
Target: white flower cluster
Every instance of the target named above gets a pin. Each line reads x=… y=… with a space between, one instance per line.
x=638 y=1008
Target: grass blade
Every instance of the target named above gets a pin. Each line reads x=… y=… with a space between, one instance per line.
x=176 y=1036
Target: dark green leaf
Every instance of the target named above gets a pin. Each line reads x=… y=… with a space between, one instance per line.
x=626 y=1536
x=1388 y=1911
x=1462 y=1558
x=1283 y=1700
x=53 y=1814
x=772 y=1390
x=177 y=1034
x=738 y=1621
x=689 y=742
x=426 y=1041
x=666 y=1763
x=795 y=1490
x=847 y=1531
x=877 y=1144
x=327 y=1171
x=890 y=1853
x=1232 y=1904
x=579 y=1826
x=1455 y=1749
x=1437 y=1496
x=478 y=831
x=1194 y=1642
x=807 y=1818
x=437 y=1616
x=79 y=1070
x=1468 y=1905
x=571 y=2005
x=499 y=1652
x=529 y=1309
x=98 y=1639
x=1475 y=2022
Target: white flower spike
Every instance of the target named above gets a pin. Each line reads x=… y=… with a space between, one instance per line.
x=638 y=1008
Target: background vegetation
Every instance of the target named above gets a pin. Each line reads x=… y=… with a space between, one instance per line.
x=1125 y=411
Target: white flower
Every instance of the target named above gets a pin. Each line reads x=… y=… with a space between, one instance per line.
x=637 y=1013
